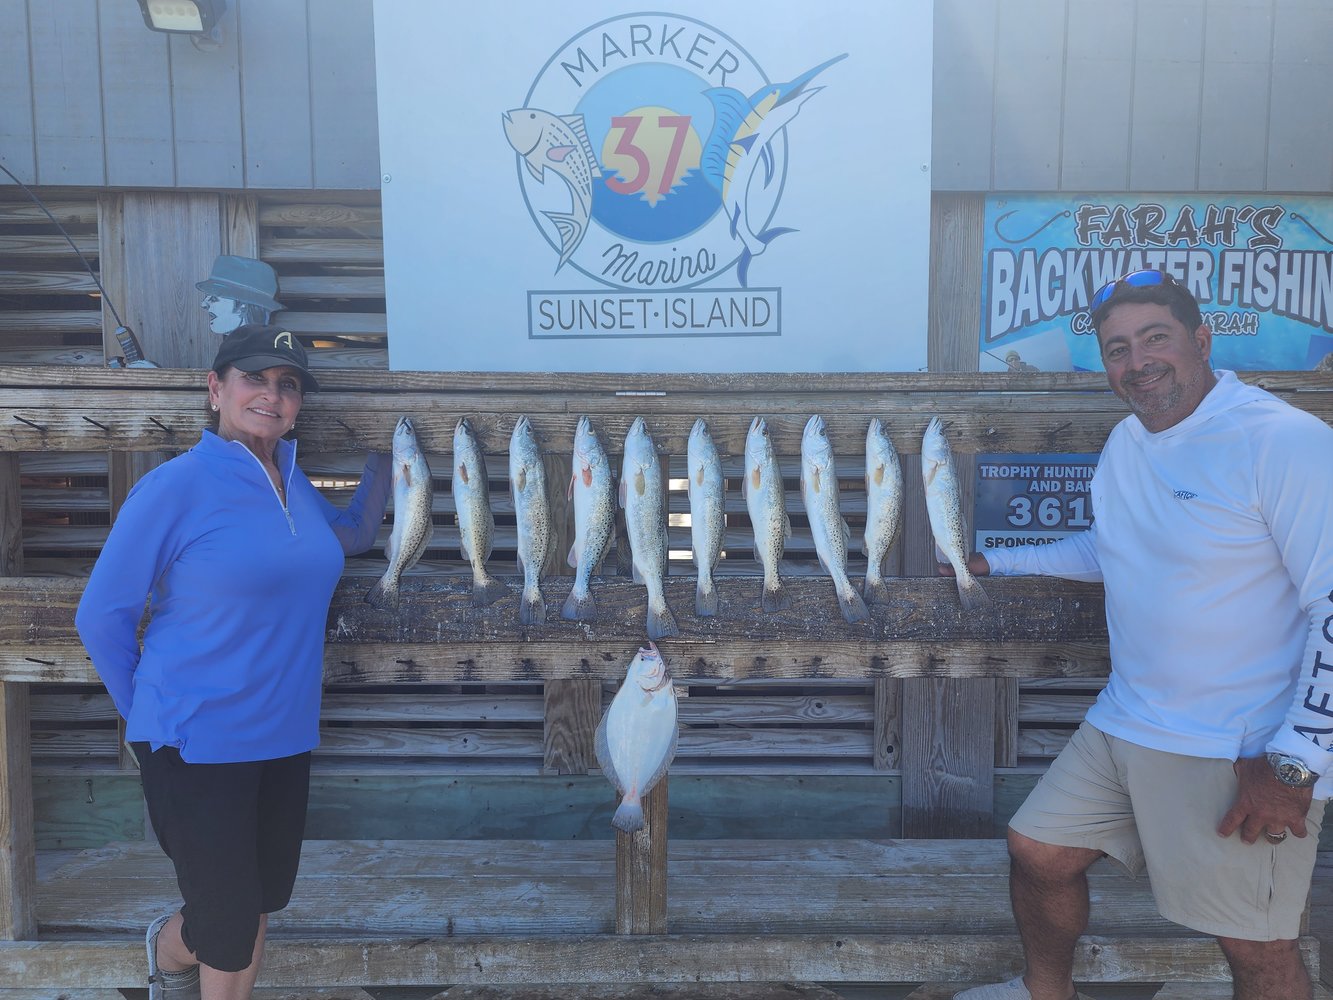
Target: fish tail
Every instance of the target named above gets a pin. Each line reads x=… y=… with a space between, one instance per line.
x=775 y=598
x=850 y=604
x=384 y=595
x=971 y=593
x=571 y=229
x=580 y=606
x=876 y=590
x=705 y=598
x=629 y=816
x=532 y=608
x=661 y=622
x=486 y=590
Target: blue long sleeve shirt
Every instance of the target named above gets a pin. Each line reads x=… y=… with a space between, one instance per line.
x=231 y=665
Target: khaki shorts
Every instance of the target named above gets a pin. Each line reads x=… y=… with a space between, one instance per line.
x=1157 y=811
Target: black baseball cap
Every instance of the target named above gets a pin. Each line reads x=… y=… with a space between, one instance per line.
x=253 y=347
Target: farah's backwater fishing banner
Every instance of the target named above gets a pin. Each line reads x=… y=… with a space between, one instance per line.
x=1261 y=267
x=699 y=187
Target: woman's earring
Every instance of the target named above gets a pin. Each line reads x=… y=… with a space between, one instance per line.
x=215 y=407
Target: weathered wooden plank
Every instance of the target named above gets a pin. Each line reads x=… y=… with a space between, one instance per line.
x=371 y=324
x=1029 y=611
x=947 y=991
x=325 y=250
x=38 y=246
x=47 y=282
x=330 y=286
x=888 y=701
x=51 y=356
x=948 y=747
x=673 y=991
x=570 y=715
x=54 y=322
x=18 y=872
x=17 y=210
x=956 y=257
x=607 y=959
x=1007 y=707
x=641 y=870
x=322 y=215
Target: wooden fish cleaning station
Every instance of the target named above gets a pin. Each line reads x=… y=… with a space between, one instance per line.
x=943 y=719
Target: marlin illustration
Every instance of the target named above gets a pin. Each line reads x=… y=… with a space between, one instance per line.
x=560 y=144
x=743 y=128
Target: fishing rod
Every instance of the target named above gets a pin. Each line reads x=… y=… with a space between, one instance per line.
x=129 y=343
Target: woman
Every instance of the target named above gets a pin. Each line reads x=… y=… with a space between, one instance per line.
x=239 y=555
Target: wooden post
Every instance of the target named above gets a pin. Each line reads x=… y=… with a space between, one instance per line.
x=18 y=858
x=949 y=725
x=641 y=870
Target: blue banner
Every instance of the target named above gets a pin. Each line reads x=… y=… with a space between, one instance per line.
x=1261 y=268
x=1031 y=499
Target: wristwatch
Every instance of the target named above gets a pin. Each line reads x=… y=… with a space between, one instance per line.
x=1291 y=770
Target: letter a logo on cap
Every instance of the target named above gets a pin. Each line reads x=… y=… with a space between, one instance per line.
x=284 y=339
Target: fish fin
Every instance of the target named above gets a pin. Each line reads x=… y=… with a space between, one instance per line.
x=660 y=772
x=462 y=472
x=735 y=220
x=571 y=229
x=532 y=608
x=699 y=476
x=769 y=235
x=786 y=527
x=876 y=591
x=384 y=595
x=766 y=158
x=777 y=599
x=572 y=560
x=971 y=593
x=557 y=154
x=629 y=817
x=730 y=108
x=743 y=266
x=852 y=607
x=569 y=490
x=640 y=484
x=661 y=622
x=636 y=574
x=518 y=558
x=579 y=607
x=623 y=492
x=486 y=590
x=865 y=544
x=535 y=170
x=878 y=476
x=753 y=481
x=521 y=483
x=575 y=122
x=388 y=549
x=705 y=598
x=746 y=143
x=846 y=532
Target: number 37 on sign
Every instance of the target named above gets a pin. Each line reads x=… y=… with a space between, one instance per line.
x=1031 y=499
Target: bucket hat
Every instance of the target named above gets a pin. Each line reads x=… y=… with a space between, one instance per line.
x=243 y=279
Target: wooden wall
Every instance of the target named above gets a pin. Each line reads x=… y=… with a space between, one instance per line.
x=1029 y=95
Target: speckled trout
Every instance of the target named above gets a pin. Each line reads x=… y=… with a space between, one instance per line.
x=476 y=523
x=594 y=495
x=532 y=513
x=707 y=517
x=413 y=492
x=636 y=739
x=944 y=504
x=884 y=509
x=819 y=491
x=644 y=501
x=767 y=504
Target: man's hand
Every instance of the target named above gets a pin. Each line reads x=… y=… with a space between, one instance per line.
x=976 y=565
x=1263 y=804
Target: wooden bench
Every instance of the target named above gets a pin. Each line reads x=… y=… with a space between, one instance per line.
x=944 y=709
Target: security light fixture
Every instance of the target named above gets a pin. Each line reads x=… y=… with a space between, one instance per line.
x=183 y=17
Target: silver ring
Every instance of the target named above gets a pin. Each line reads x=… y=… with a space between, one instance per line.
x=1276 y=838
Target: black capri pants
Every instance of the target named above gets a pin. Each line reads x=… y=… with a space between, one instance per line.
x=233 y=833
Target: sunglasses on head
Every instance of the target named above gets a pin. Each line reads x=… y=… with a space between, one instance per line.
x=1135 y=279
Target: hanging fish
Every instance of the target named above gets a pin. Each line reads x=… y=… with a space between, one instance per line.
x=884 y=509
x=532 y=515
x=706 y=514
x=819 y=491
x=413 y=493
x=594 y=494
x=636 y=739
x=944 y=504
x=476 y=523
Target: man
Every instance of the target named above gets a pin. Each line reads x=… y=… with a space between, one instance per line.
x=1206 y=758
x=238 y=292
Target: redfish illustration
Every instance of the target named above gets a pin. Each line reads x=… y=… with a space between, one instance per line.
x=559 y=144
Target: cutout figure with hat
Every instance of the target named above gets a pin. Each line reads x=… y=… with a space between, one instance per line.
x=240 y=291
